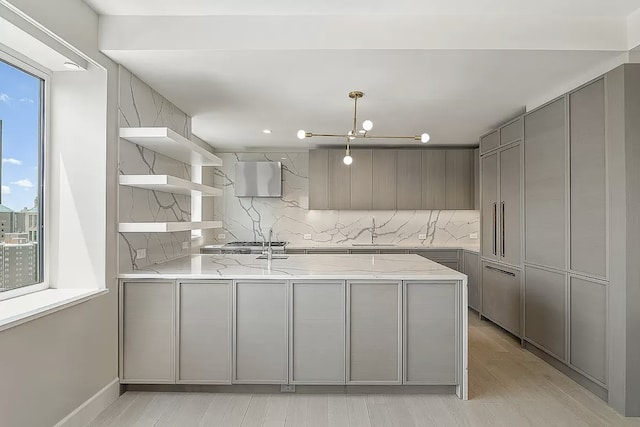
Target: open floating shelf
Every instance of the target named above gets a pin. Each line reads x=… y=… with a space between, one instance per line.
x=166 y=227
x=168 y=184
x=171 y=144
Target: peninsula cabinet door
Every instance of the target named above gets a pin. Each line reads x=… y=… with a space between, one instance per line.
x=317 y=332
x=430 y=333
x=374 y=332
x=147 y=332
x=260 y=336
x=204 y=332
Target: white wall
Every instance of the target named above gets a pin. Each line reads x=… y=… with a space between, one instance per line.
x=52 y=365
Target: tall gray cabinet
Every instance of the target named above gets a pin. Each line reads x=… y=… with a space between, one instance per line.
x=567 y=186
x=501 y=201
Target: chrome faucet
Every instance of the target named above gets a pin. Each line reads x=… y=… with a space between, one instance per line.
x=373 y=229
x=269 y=248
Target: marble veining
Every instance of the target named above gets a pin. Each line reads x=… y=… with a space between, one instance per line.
x=140 y=105
x=249 y=218
x=352 y=267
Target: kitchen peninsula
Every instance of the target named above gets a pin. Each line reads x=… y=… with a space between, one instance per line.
x=306 y=320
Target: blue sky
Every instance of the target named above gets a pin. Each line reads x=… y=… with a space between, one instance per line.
x=19 y=111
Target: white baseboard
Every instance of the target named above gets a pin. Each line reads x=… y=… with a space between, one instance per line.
x=90 y=409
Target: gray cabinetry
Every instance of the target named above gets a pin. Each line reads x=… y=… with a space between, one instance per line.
x=318 y=179
x=409 y=188
x=511 y=132
x=544 y=185
x=489 y=142
x=384 y=179
x=447 y=257
x=339 y=181
x=374 y=332
x=588 y=180
x=501 y=296
x=471 y=266
x=430 y=317
x=260 y=332
x=546 y=309
x=204 y=332
x=317 y=333
x=489 y=207
x=433 y=179
x=588 y=327
x=509 y=209
x=148 y=332
x=459 y=179
x=361 y=179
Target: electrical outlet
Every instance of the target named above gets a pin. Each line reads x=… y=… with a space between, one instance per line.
x=473 y=235
x=307 y=237
x=287 y=388
x=422 y=237
x=222 y=236
x=141 y=254
x=185 y=245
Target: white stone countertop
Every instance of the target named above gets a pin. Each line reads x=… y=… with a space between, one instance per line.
x=308 y=267
x=467 y=247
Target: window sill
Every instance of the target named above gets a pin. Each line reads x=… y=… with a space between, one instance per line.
x=18 y=310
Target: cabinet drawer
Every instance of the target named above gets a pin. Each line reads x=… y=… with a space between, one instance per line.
x=511 y=132
x=489 y=142
x=501 y=296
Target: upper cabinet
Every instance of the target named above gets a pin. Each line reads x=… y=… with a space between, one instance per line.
x=511 y=132
x=409 y=166
x=588 y=195
x=433 y=175
x=361 y=182
x=459 y=187
x=489 y=142
x=545 y=174
x=386 y=179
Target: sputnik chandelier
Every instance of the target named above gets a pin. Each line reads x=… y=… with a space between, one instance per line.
x=356 y=134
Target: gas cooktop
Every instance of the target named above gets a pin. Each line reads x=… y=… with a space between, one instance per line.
x=250 y=244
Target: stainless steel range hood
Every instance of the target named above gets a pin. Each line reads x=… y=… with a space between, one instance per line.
x=258 y=179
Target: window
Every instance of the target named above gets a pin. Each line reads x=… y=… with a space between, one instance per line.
x=22 y=109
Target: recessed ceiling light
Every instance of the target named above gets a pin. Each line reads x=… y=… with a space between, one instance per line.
x=267 y=131
x=72 y=65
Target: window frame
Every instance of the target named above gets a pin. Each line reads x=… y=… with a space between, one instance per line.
x=30 y=67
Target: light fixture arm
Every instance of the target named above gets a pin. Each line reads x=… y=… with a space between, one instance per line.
x=355 y=134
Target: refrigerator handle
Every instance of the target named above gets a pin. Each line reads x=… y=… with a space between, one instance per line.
x=495 y=231
x=502 y=251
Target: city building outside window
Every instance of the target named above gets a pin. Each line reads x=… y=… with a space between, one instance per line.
x=22 y=115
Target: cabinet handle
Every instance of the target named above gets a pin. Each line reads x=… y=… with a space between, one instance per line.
x=508 y=273
x=495 y=223
x=502 y=229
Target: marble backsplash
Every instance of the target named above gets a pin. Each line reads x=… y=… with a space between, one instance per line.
x=140 y=105
x=249 y=218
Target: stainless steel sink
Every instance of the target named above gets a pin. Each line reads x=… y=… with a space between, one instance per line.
x=273 y=257
x=373 y=244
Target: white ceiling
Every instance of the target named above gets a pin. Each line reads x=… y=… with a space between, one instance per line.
x=341 y=7
x=455 y=77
